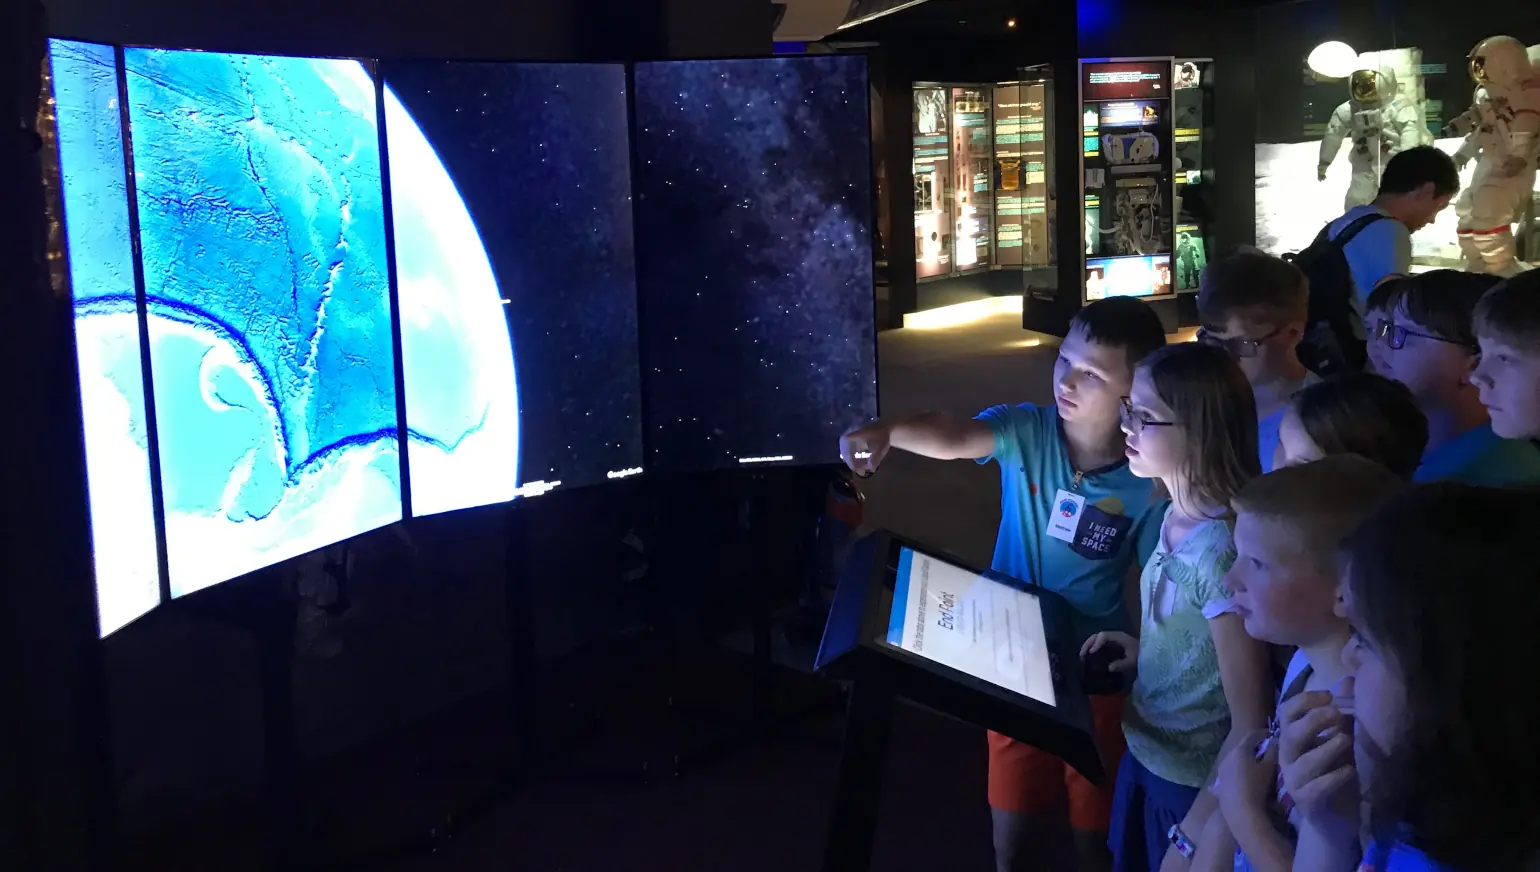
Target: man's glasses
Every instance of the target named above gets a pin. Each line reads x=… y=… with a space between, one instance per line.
x=1394 y=335
x=1135 y=422
x=1236 y=346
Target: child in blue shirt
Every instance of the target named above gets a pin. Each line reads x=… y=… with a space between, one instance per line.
x=1421 y=333
x=1439 y=585
x=1070 y=450
x=1508 y=376
x=1255 y=306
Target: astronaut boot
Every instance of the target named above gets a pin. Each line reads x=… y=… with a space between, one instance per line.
x=1490 y=251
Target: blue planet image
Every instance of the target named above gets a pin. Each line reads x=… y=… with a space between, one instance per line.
x=462 y=403
x=94 y=191
x=262 y=233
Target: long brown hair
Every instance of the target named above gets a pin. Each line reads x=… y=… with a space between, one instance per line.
x=1213 y=404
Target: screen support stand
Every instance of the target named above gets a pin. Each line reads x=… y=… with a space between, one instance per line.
x=264 y=608
x=775 y=511
x=858 y=793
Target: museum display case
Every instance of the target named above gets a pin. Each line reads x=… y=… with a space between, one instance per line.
x=981 y=155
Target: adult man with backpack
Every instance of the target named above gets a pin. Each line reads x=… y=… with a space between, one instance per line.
x=1355 y=252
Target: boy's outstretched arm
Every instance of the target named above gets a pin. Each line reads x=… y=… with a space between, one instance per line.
x=933 y=434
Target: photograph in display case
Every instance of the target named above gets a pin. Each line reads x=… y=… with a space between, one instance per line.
x=1193 y=170
x=1381 y=106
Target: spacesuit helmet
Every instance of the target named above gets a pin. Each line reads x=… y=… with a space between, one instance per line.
x=1499 y=61
x=1372 y=86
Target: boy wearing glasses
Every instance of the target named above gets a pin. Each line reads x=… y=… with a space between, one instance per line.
x=1508 y=377
x=1255 y=306
x=1420 y=332
x=1070 y=452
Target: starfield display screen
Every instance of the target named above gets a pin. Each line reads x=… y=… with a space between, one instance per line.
x=93 y=190
x=262 y=232
x=755 y=268
x=511 y=204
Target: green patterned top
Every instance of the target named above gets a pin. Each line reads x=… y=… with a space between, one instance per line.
x=1177 y=717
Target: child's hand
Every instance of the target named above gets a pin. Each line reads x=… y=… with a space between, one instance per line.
x=1129 y=644
x=864 y=448
x=1316 y=756
x=1246 y=782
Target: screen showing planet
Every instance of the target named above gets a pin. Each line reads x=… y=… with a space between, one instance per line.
x=515 y=270
x=92 y=188
x=262 y=235
x=755 y=269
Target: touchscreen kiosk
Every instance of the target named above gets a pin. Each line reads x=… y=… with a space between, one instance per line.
x=972 y=643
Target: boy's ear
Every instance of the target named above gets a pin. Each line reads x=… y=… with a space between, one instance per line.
x=1339 y=607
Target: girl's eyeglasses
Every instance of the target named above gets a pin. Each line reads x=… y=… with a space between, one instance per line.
x=1135 y=422
x=1394 y=335
x=1237 y=346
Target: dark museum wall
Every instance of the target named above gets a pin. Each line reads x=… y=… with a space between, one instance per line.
x=425 y=627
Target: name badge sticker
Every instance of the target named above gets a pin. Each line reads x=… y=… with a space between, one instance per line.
x=1064 y=519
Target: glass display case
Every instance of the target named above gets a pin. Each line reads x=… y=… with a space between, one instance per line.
x=1347 y=86
x=983 y=209
x=1128 y=179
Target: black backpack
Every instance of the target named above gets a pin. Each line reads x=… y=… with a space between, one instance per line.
x=1331 y=345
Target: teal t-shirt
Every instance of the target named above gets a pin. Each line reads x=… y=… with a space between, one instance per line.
x=1479 y=456
x=1118 y=527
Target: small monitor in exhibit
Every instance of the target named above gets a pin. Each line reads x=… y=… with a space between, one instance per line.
x=971 y=643
x=754 y=223
x=515 y=268
x=262 y=238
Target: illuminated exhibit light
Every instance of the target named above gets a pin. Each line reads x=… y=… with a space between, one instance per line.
x=963 y=313
x=779 y=458
x=1333 y=60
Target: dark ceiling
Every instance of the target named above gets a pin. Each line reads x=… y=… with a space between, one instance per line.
x=991 y=17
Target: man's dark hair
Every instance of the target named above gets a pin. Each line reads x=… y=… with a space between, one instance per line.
x=1510 y=312
x=1444 y=301
x=1122 y=322
x=1415 y=167
x=1442 y=582
x=1253 y=285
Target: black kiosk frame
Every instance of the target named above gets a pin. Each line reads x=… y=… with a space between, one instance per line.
x=857 y=647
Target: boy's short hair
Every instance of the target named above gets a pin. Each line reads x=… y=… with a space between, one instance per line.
x=1510 y=312
x=1122 y=322
x=1254 y=286
x=1415 y=167
x=1320 y=502
x=1444 y=301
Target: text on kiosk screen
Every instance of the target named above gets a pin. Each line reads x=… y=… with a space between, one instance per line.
x=960 y=619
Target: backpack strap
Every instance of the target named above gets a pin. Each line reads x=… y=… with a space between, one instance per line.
x=1352 y=230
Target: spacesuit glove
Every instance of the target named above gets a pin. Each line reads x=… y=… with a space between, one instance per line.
x=1461 y=160
x=1320 y=172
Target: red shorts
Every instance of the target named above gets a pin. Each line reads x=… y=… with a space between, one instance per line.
x=1025 y=780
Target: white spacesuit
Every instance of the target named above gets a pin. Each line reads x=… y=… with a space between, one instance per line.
x=1379 y=124
x=1502 y=134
